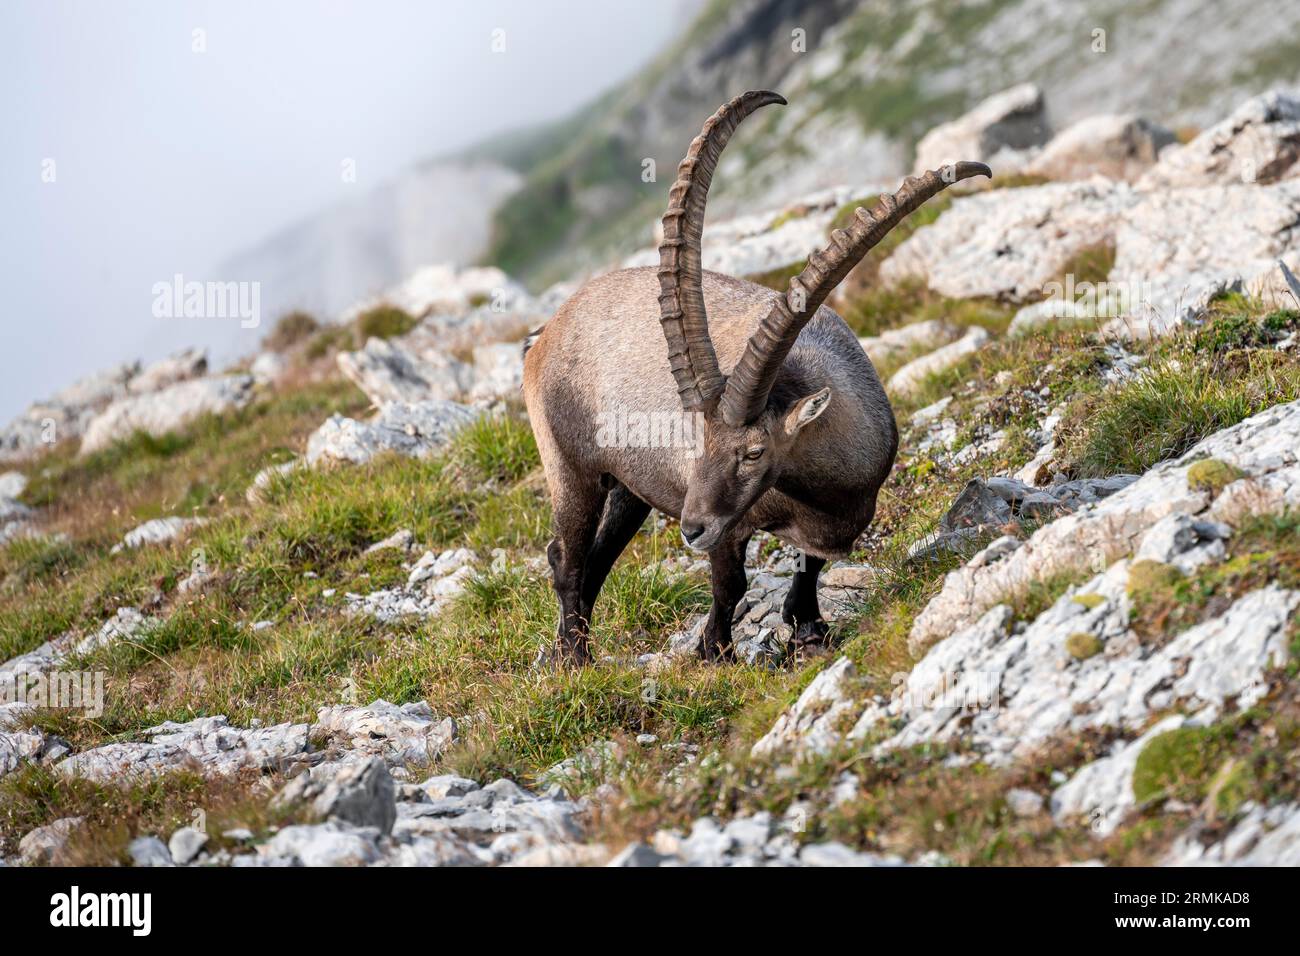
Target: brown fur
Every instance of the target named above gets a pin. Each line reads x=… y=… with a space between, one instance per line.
x=603 y=353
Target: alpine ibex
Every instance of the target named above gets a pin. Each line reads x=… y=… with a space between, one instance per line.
x=795 y=438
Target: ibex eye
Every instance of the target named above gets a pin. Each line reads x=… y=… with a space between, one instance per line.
x=754 y=454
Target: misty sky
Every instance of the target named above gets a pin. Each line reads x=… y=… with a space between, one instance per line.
x=167 y=160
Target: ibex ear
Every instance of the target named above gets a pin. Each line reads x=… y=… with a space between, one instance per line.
x=806 y=410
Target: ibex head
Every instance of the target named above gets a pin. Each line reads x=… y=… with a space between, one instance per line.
x=750 y=432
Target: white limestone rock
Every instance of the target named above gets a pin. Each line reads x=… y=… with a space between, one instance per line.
x=1264 y=836
x=157 y=531
x=1114 y=145
x=1010 y=243
x=914 y=374
x=1176 y=249
x=812 y=724
x=1264 y=447
x=409 y=735
x=1012 y=120
x=1101 y=793
x=893 y=344
x=416 y=430
x=158 y=413
x=1258 y=143
x=387 y=372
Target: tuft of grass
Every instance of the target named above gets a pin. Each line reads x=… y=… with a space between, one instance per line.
x=1211 y=474
x=1082 y=645
x=1167 y=410
x=113 y=815
x=292 y=328
x=1178 y=763
x=383 y=322
x=496 y=448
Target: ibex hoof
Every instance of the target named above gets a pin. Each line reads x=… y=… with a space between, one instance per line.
x=715 y=652
x=561 y=656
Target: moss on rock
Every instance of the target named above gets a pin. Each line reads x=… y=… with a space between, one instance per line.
x=1178 y=764
x=1082 y=645
x=1212 y=475
x=1146 y=577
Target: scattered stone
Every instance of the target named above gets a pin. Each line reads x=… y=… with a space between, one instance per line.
x=447 y=785
x=1011 y=243
x=1263 y=446
x=1039 y=691
x=386 y=372
x=400 y=540
x=912 y=375
x=435 y=580
x=268 y=368
x=405 y=736
x=207 y=745
x=47 y=845
x=443 y=288
x=157 y=531
x=1264 y=836
x=1101 y=793
x=1024 y=803
x=812 y=725
x=417 y=430
x=591 y=765
x=359 y=792
x=149 y=851
x=161 y=412
x=1012 y=120
x=1258 y=143
x=263 y=479
x=893 y=344
x=1177 y=249
x=1117 y=146
x=185 y=844
x=323 y=844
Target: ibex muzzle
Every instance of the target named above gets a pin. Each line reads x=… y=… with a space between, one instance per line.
x=797 y=436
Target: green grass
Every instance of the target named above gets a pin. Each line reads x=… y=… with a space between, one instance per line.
x=1171 y=407
x=383 y=322
x=498 y=448
x=290 y=329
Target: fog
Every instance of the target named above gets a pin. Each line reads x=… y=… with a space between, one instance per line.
x=146 y=139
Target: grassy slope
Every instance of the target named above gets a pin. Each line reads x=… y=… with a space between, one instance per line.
x=276 y=559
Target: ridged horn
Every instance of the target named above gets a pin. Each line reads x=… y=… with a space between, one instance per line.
x=747 y=389
x=681 y=296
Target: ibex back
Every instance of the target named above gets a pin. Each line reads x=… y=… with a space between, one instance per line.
x=794 y=438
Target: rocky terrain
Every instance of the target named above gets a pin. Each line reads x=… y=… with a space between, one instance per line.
x=311 y=589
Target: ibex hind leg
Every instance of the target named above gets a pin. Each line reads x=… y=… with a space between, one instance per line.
x=801 y=610
x=727 y=574
x=577 y=510
x=623 y=517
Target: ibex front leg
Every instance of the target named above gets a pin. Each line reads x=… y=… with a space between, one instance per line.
x=577 y=513
x=727 y=567
x=801 y=610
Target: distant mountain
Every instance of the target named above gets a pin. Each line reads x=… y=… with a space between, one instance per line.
x=874 y=77
x=865 y=79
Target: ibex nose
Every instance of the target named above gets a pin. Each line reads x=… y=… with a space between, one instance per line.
x=691 y=531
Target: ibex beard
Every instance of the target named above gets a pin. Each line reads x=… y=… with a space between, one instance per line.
x=797 y=434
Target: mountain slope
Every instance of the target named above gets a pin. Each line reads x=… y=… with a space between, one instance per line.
x=874 y=77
